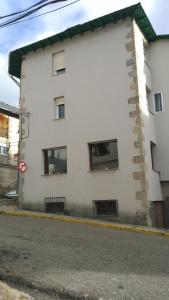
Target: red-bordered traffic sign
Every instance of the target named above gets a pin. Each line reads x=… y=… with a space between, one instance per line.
x=22 y=166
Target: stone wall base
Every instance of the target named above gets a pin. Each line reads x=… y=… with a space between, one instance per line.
x=87 y=212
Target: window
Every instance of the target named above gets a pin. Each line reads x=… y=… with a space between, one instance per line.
x=158 y=102
x=103 y=155
x=55 y=160
x=106 y=207
x=153 y=155
x=55 y=204
x=59 y=63
x=59 y=108
x=3 y=151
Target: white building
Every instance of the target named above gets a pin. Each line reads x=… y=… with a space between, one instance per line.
x=9 y=138
x=95 y=109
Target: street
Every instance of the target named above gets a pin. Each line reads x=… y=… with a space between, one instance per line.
x=56 y=260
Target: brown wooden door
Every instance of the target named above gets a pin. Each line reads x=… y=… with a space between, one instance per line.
x=158 y=214
x=166 y=212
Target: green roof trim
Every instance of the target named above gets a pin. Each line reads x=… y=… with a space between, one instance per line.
x=135 y=11
x=163 y=37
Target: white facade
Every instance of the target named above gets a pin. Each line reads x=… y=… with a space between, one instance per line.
x=102 y=84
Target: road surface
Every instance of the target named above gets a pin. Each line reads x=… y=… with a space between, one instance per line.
x=56 y=260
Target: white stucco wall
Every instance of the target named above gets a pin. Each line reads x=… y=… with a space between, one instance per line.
x=144 y=73
x=96 y=91
x=160 y=71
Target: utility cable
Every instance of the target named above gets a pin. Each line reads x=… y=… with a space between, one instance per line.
x=48 y=12
x=29 y=12
x=21 y=11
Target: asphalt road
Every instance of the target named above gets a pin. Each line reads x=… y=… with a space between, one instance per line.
x=57 y=260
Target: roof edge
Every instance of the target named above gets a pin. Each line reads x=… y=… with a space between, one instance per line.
x=163 y=37
x=135 y=12
x=9 y=113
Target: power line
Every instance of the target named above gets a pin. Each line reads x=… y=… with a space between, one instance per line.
x=21 y=11
x=39 y=14
x=23 y=15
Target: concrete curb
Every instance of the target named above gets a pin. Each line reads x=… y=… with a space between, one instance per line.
x=96 y=223
x=7 y=293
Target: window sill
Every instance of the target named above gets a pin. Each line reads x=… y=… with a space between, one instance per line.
x=50 y=175
x=157 y=112
x=104 y=170
x=59 y=119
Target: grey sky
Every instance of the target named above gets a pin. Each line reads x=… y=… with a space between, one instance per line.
x=27 y=32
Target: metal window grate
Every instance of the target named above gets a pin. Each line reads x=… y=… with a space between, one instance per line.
x=106 y=207
x=55 y=204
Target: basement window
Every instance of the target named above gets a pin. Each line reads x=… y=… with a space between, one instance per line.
x=55 y=204
x=106 y=207
x=59 y=108
x=55 y=161
x=59 y=63
x=103 y=155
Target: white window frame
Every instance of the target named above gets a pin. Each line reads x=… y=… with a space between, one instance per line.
x=57 y=102
x=56 y=71
x=162 y=102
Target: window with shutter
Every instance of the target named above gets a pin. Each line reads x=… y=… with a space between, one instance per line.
x=59 y=63
x=59 y=108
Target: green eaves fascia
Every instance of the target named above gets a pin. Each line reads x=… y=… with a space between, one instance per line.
x=135 y=12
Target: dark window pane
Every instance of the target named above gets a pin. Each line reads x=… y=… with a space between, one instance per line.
x=158 y=102
x=3 y=151
x=103 y=156
x=55 y=207
x=61 y=111
x=101 y=149
x=61 y=71
x=153 y=150
x=106 y=207
x=55 y=161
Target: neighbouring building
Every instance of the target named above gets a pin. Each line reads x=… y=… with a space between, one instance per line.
x=9 y=137
x=94 y=112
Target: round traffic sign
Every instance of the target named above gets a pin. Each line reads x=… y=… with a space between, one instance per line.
x=22 y=166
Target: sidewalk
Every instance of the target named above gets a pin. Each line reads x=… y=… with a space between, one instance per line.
x=13 y=211
x=7 y=293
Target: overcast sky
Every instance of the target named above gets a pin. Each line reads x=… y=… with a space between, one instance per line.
x=27 y=32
